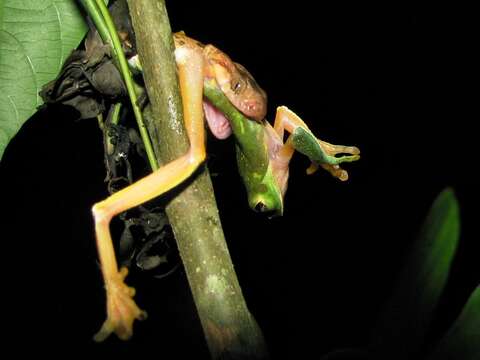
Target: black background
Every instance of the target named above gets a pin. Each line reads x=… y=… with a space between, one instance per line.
x=395 y=80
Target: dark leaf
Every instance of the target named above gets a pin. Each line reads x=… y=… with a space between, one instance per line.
x=462 y=342
x=405 y=320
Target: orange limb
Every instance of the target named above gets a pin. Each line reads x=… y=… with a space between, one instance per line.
x=121 y=308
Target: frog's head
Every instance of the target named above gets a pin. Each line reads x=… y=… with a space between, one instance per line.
x=265 y=198
x=265 y=193
x=237 y=84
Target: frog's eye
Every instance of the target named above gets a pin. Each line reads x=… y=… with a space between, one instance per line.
x=236 y=86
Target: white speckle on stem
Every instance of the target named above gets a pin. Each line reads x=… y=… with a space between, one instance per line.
x=217 y=285
x=172 y=110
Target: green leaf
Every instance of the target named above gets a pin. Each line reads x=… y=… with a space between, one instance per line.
x=402 y=327
x=36 y=36
x=462 y=342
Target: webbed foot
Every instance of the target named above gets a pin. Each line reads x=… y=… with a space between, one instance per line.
x=121 y=309
x=324 y=154
x=335 y=155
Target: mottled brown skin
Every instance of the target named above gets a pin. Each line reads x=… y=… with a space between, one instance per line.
x=236 y=82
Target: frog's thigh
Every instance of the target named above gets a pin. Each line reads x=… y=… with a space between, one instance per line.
x=286 y=119
x=190 y=71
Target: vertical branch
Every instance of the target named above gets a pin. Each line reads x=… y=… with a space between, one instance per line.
x=230 y=330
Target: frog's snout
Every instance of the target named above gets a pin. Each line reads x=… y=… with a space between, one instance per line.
x=261 y=207
x=254 y=109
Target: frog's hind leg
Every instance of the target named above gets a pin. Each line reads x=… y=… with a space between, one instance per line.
x=319 y=152
x=121 y=308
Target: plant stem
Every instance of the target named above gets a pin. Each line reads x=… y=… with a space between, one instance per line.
x=98 y=12
x=94 y=12
x=230 y=330
x=117 y=107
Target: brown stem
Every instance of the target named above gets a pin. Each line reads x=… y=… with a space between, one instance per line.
x=230 y=330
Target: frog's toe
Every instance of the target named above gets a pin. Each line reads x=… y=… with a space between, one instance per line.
x=353 y=150
x=333 y=169
x=312 y=168
x=333 y=150
x=347 y=158
x=338 y=154
x=122 y=310
x=336 y=171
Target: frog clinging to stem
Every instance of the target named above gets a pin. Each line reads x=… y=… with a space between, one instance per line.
x=223 y=92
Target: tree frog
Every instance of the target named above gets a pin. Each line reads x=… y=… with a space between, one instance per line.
x=223 y=92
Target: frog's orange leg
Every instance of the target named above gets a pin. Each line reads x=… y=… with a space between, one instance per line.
x=121 y=308
x=302 y=139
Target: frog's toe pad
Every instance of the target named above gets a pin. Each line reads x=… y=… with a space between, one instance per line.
x=312 y=168
x=336 y=171
x=121 y=309
x=353 y=150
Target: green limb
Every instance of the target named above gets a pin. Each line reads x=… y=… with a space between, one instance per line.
x=323 y=154
x=305 y=142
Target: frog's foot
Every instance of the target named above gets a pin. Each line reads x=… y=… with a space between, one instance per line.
x=121 y=309
x=322 y=153
x=332 y=157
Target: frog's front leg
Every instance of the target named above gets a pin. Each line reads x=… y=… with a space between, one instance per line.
x=121 y=308
x=319 y=152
